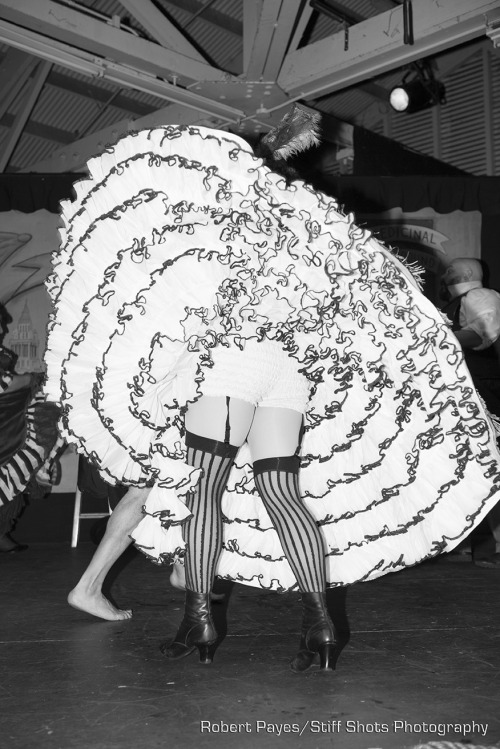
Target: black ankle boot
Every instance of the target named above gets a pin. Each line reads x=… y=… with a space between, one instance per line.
x=196 y=631
x=318 y=635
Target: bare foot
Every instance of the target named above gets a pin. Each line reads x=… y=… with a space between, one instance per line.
x=97 y=605
x=7 y=544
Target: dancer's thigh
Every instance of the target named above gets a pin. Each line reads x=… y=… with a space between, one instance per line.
x=275 y=432
x=133 y=500
x=207 y=417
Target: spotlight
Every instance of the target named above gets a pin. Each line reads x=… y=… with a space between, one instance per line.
x=420 y=93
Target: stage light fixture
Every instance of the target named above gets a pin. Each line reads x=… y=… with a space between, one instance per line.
x=418 y=94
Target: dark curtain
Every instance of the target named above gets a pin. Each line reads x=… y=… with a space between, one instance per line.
x=33 y=192
x=377 y=155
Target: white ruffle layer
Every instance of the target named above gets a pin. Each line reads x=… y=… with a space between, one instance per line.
x=181 y=240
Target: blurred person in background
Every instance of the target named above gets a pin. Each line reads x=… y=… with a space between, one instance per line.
x=474 y=312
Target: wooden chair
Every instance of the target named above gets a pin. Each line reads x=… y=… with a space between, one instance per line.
x=88 y=480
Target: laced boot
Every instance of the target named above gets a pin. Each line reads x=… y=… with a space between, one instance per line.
x=196 y=631
x=318 y=636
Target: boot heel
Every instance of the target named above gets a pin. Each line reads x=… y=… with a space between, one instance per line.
x=196 y=631
x=206 y=652
x=318 y=641
x=328 y=655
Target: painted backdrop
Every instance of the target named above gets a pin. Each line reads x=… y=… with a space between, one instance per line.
x=27 y=241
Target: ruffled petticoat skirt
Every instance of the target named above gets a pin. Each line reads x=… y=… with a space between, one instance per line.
x=181 y=245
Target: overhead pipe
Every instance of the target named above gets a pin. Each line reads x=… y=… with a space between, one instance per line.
x=407 y=22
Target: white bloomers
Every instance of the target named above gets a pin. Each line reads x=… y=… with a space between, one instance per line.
x=261 y=373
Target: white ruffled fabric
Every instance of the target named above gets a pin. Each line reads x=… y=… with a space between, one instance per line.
x=181 y=241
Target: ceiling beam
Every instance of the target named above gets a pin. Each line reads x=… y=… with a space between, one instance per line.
x=376 y=45
x=268 y=27
x=15 y=70
x=40 y=130
x=97 y=37
x=251 y=14
x=300 y=28
x=338 y=11
x=160 y=28
x=382 y=5
x=123 y=75
x=259 y=21
x=214 y=17
x=97 y=94
x=286 y=23
x=24 y=113
x=14 y=78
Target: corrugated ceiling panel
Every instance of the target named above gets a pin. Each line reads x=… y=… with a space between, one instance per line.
x=4 y=132
x=463 y=118
x=63 y=100
x=324 y=27
x=77 y=116
x=74 y=112
x=345 y=105
x=232 y=8
x=495 y=104
x=354 y=9
x=461 y=121
x=222 y=48
x=31 y=149
x=107 y=117
x=220 y=45
x=378 y=127
x=146 y=99
x=223 y=14
x=106 y=8
x=367 y=8
x=414 y=130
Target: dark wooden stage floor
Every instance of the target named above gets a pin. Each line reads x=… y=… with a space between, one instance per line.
x=424 y=652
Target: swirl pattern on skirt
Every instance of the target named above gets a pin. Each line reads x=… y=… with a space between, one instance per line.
x=180 y=241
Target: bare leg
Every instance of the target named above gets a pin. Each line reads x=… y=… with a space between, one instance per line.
x=274 y=432
x=178 y=577
x=87 y=595
x=207 y=417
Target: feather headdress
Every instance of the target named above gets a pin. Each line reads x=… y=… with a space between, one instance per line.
x=297 y=131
